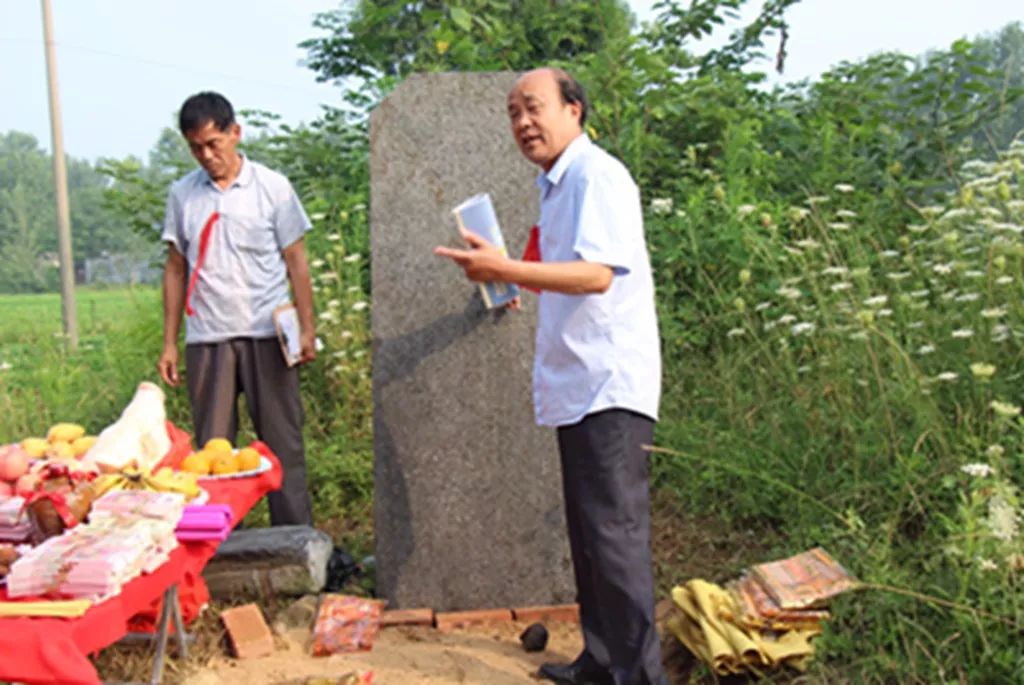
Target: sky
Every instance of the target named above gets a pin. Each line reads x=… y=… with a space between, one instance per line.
x=125 y=66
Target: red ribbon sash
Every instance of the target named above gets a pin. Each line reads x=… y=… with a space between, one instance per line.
x=204 y=244
x=532 y=251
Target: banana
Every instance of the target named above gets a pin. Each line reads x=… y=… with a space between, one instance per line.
x=35 y=447
x=164 y=480
x=64 y=432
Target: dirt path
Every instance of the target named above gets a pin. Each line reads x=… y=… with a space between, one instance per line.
x=484 y=655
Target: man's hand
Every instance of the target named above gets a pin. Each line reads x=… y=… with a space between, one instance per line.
x=482 y=262
x=168 y=366
x=307 y=345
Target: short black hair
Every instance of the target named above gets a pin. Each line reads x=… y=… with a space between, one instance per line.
x=200 y=108
x=572 y=93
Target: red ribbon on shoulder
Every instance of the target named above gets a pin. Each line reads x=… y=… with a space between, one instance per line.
x=204 y=244
x=532 y=251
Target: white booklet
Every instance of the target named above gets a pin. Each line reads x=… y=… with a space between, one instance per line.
x=477 y=215
x=286 y=323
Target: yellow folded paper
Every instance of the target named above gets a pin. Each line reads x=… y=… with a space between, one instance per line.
x=709 y=624
x=62 y=608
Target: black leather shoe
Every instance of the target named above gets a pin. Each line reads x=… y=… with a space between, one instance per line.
x=571 y=674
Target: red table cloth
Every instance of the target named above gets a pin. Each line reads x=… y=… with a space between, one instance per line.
x=55 y=650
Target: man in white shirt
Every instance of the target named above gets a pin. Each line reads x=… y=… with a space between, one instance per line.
x=597 y=370
x=235 y=242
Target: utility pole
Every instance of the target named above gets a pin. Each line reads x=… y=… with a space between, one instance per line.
x=60 y=181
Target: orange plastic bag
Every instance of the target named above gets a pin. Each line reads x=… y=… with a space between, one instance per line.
x=346 y=624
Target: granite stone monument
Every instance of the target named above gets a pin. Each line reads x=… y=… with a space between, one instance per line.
x=468 y=510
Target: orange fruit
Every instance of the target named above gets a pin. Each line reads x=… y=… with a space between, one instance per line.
x=198 y=463
x=248 y=459
x=224 y=464
x=220 y=445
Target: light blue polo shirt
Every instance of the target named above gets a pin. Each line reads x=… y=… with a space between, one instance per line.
x=244 y=275
x=599 y=351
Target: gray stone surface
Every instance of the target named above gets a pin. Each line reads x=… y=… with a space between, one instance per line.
x=298 y=614
x=264 y=562
x=468 y=510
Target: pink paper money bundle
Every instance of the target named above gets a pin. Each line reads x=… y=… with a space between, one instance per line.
x=205 y=522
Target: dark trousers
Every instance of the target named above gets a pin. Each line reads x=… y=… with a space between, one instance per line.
x=607 y=507
x=216 y=373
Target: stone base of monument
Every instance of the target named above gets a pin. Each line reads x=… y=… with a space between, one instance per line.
x=266 y=562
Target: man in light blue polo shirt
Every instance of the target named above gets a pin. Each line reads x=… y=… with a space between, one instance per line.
x=597 y=370
x=234 y=232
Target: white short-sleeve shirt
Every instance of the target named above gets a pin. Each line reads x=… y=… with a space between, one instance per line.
x=243 y=276
x=598 y=351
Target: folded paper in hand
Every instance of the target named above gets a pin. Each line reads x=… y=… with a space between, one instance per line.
x=477 y=215
x=286 y=323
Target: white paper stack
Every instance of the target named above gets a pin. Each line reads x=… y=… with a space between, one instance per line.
x=95 y=560
x=14 y=523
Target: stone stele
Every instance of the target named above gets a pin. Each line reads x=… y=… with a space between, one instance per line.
x=468 y=509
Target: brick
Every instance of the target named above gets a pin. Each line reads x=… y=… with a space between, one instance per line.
x=555 y=612
x=407 y=617
x=459 y=619
x=248 y=631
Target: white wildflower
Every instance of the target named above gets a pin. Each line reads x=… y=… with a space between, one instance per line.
x=977 y=470
x=844 y=188
x=317 y=263
x=993 y=312
x=817 y=199
x=789 y=293
x=1004 y=408
x=744 y=211
x=808 y=244
x=835 y=271
x=839 y=226
x=6 y=366
x=1004 y=280
x=735 y=332
x=802 y=328
x=840 y=286
x=354 y=257
x=328 y=276
x=918 y=228
x=333 y=304
x=761 y=306
x=898 y=275
x=846 y=214
x=333 y=236
x=1003 y=519
x=914 y=325
x=967 y=297
x=925 y=349
x=994 y=451
x=985 y=564
x=962 y=333
x=883 y=313
x=876 y=301
x=360 y=305
x=345 y=335
x=973 y=273
x=859 y=335
x=982 y=370
x=943 y=269
x=786 y=319
x=329 y=316
x=891 y=254
x=918 y=294
x=661 y=205
x=947 y=376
